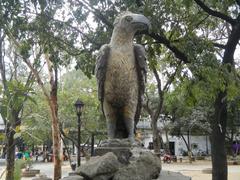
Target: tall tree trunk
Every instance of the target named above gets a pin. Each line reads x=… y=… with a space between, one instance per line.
x=56 y=139
x=55 y=128
x=167 y=149
x=219 y=123
x=155 y=115
x=219 y=157
x=156 y=137
x=189 y=147
x=10 y=145
x=52 y=101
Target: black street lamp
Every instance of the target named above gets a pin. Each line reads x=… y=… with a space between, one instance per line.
x=79 y=105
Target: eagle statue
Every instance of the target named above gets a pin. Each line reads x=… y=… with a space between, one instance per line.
x=121 y=74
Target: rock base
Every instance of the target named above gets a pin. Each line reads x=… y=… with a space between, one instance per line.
x=119 y=160
x=73 y=178
x=123 y=153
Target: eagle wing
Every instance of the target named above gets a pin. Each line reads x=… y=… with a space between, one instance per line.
x=100 y=70
x=141 y=65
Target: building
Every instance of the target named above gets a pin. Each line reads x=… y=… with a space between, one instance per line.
x=2 y=125
x=177 y=146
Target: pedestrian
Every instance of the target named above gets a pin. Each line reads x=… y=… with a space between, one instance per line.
x=36 y=154
x=27 y=154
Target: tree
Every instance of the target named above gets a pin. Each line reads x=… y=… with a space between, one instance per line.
x=155 y=107
x=16 y=91
x=202 y=36
x=36 y=39
x=175 y=31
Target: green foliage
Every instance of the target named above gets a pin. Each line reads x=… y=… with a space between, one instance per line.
x=76 y=85
x=36 y=125
x=13 y=99
x=68 y=35
x=19 y=165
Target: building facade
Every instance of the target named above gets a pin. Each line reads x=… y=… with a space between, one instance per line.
x=200 y=144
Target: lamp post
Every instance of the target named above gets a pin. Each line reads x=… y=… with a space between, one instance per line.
x=79 y=105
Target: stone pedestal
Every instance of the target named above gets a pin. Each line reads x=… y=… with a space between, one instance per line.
x=73 y=178
x=123 y=153
x=120 y=147
x=118 y=159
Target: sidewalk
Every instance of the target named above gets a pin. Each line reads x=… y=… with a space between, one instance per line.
x=193 y=170
x=45 y=168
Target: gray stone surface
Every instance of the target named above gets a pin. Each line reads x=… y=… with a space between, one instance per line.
x=122 y=148
x=137 y=152
x=123 y=153
x=73 y=173
x=115 y=143
x=100 y=167
x=75 y=177
x=146 y=167
x=169 y=175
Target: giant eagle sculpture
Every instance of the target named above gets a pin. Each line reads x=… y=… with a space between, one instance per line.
x=121 y=74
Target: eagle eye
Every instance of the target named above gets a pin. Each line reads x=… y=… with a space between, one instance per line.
x=128 y=18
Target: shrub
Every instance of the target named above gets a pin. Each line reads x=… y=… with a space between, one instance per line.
x=19 y=164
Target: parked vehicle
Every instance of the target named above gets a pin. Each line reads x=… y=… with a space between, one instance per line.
x=167 y=158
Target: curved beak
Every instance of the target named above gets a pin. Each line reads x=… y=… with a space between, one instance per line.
x=141 y=23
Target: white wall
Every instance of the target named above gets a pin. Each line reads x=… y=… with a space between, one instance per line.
x=180 y=146
x=2 y=126
x=199 y=141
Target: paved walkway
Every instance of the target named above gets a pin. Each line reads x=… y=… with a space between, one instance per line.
x=194 y=170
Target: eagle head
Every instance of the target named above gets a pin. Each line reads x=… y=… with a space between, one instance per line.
x=131 y=22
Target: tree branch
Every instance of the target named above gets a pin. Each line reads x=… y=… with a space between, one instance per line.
x=2 y=64
x=238 y=2
x=65 y=136
x=147 y=107
x=215 y=13
x=96 y=12
x=38 y=78
x=178 y=54
x=50 y=68
x=76 y=29
x=231 y=45
x=171 y=78
x=160 y=94
x=28 y=63
x=222 y=46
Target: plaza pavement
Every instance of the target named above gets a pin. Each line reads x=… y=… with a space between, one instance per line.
x=193 y=170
